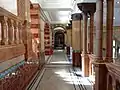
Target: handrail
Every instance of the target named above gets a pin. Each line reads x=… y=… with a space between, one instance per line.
x=12 y=25
x=4 y=12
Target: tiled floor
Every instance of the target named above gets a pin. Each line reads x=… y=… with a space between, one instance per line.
x=58 y=74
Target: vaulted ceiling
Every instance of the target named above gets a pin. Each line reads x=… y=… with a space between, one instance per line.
x=59 y=11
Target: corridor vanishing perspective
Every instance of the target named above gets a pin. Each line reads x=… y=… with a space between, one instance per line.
x=58 y=74
x=59 y=45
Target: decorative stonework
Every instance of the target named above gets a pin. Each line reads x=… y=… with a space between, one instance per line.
x=76 y=16
x=87 y=7
x=4 y=30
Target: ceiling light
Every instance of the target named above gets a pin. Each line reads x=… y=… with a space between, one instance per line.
x=114 y=18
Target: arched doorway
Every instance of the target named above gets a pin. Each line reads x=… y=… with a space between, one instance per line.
x=59 y=40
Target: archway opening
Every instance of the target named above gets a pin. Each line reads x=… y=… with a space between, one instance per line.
x=59 y=40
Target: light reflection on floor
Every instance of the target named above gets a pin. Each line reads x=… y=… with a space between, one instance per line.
x=72 y=78
x=60 y=62
x=59 y=75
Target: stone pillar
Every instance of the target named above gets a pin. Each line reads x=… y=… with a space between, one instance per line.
x=86 y=8
x=16 y=32
x=4 y=30
x=100 y=67
x=85 y=59
x=99 y=77
x=91 y=32
x=23 y=7
x=20 y=32
x=109 y=26
x=76 y=32
x=11 y=31
x=99 y=29
x=85 y=19
x=109 y=36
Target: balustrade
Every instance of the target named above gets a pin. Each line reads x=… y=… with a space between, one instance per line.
x=113 y=76
x=11 y=28
x=4 y=30
x=11 y=31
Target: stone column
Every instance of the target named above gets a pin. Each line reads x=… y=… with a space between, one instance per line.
x=16 y=32
x=100 y=67
x=109 y=26
x=25 y=33
x=20 y=32
x=76 y=32
x=85 y=59
x=86 y=8
x=91 y=32
x=11 y=31
x=4 y=30
x=109 y=36
x=85 y=19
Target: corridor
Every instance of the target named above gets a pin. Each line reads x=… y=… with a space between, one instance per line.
x=58 y=74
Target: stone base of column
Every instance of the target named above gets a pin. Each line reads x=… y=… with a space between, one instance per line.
x=16 y=42
x=100 y=77
x=4 y=42
x=42 y=60
x=90 y=68
x=85 y=65
x=76 y=58
x=11 y=42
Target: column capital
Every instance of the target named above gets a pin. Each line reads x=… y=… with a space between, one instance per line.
x=76 y=16
x=87 y=7
x=10 y=22
x=3 y=19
